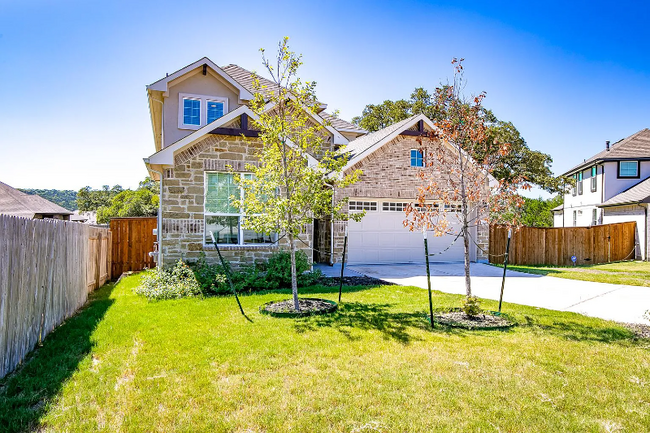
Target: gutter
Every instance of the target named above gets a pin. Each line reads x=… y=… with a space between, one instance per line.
x=159 y=261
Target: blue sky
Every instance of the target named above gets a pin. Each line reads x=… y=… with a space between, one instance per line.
x=73 y=107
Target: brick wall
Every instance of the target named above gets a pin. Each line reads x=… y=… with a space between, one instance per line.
x=183 y=202
x=387 y=173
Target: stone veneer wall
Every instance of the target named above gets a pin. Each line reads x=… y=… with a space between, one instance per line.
x=387 y=173
x=183 y=202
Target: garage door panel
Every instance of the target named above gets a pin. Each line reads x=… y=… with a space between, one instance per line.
x=381 y=237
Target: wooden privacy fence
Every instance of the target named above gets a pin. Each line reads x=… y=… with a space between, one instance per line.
x=47 y=268
x=555 y=246
x=133 y=239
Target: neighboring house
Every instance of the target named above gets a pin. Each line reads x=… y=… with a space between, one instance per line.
x=88 y=217
x=203 y=130
x=612 y=186
x=18 y=203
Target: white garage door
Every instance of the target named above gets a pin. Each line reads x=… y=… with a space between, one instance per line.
x=381 y=237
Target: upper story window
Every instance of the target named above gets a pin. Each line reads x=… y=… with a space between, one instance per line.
x=192 y=112
x=594 y=172
x=575 y=181
x=196 y=111
x=580 y=183
x=628 y=169
x=417 y=160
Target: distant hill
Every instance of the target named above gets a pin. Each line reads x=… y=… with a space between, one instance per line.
x=66 y=198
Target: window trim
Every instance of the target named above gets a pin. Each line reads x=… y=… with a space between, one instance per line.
x=203 y=109
x=575 y=218
x=638 y=170
x=420 y=153
x=594 y=217
x=594 y=177
x=240 y=215
x=574 y=189
x=580 y=185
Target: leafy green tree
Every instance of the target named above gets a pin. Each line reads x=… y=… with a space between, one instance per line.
x=289 y=188
x=520 y=160
x=64 y=198
x=89 y=199
x=128 y=203
x=536 y=212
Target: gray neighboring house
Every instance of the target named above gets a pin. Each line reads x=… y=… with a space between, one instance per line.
x=17 y=203
x=612 y=186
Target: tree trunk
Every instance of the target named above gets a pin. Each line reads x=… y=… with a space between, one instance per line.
x=294 y=276
x=465 y=217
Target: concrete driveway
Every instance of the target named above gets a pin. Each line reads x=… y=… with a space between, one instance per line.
x=607 y=301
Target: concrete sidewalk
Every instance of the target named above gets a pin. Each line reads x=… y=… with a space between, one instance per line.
x=607 y=301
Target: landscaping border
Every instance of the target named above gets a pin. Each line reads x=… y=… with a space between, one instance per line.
x=507 y=317
x=305 y=313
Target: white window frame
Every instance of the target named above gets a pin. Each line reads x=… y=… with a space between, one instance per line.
x=594 y=217
x=240 y=215
x=638 y=170
x=594 y=177
x=361 y=205
x=203 y=107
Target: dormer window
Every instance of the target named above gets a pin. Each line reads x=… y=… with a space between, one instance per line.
x=416 y=158
x=628 y=169
x=196 y=111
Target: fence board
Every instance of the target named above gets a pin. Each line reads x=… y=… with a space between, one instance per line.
x=555 y=246
x=44 y=279
x=132 y=240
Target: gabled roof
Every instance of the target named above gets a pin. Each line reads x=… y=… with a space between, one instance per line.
x=163 y=84
x=365 y=145
x=639 y=193
x=165 y=157
x=636 y=146
x=244 y=77
x=17 y=203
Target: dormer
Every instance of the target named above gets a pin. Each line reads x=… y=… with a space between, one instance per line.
x=190 y=98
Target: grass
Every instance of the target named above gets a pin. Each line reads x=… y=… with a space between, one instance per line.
x=125 y=364
x=629 y=273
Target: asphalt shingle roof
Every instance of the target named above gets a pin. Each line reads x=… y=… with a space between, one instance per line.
x=17 y=203
x=363 y=143
x=245 y=79
x=639 y=193
x=635 y=146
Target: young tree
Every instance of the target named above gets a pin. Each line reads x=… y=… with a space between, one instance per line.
x=458 y=172
x=297 y=172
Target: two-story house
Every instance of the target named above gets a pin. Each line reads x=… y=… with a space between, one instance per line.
x=612 y=186
x=204 y=132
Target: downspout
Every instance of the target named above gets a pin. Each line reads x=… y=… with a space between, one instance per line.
x=159 y=222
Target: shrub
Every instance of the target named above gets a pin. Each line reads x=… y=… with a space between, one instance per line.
x=211 y=278
x=274 y=274
x=179 y=282
x=471 y=306
x=278 y=269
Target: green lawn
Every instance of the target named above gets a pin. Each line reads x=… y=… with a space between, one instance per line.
x=124 y=364
x=630 y=273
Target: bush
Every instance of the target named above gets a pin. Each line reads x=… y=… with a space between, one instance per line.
x=211 y=278
x=274 y=274
x=471 y=306
x=278 y=269
x=179 y=282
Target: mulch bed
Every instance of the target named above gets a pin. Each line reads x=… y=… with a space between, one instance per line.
x=640 y=331
x=308 y=307
x=485 y=320
x=354 y=281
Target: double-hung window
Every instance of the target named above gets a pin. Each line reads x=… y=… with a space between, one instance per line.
x=196 y=111
x=575 y=218
x=580 y=183
x=575 y=186
x=628 y=169
x=223 y=219
x=417 y=160
x=594 y=186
